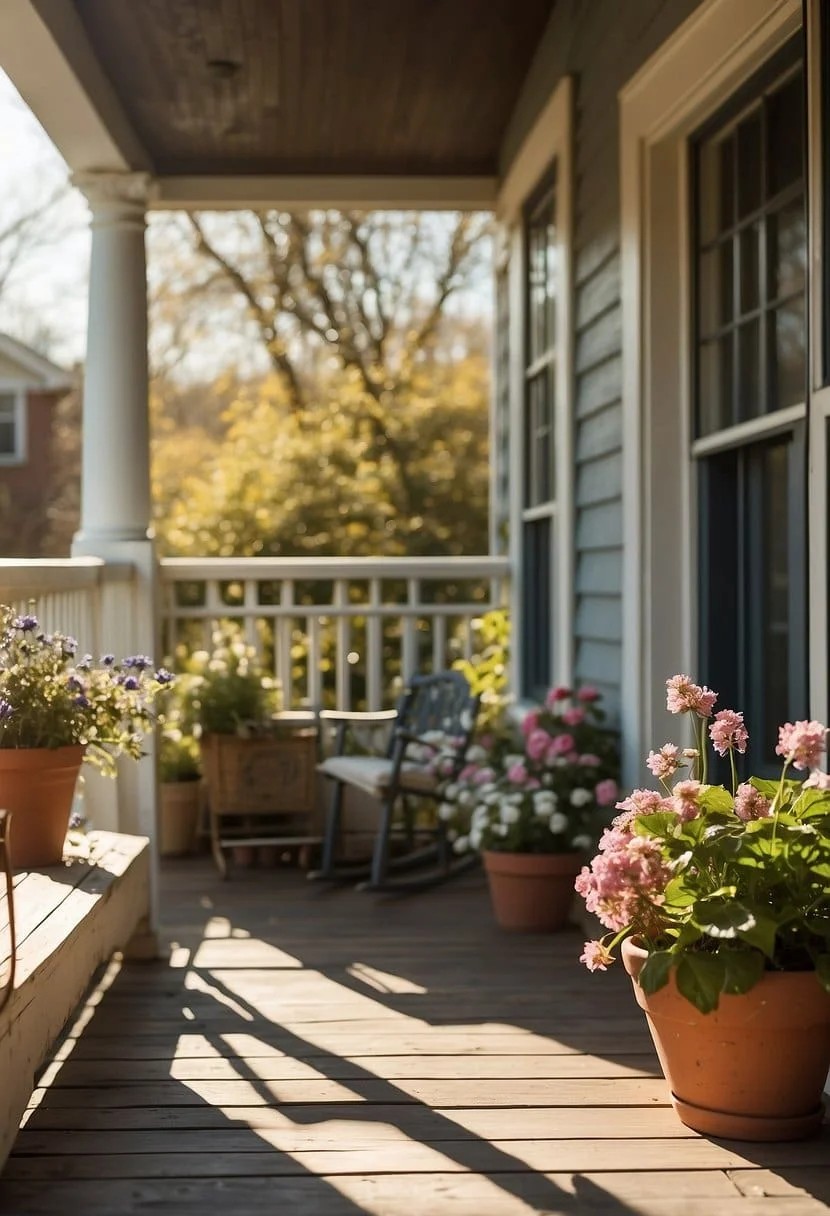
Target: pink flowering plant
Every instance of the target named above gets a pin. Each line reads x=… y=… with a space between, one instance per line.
x=539 y=787
x=718 y=884
x=53 y=696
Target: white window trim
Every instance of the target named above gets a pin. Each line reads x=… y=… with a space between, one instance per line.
x=20 y=454
x=549 y=141
x=692 y=74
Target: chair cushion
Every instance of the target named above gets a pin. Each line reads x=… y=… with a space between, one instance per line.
x=373 y=774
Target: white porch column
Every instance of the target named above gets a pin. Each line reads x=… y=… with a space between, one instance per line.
x=115 y=475
x=115 y=488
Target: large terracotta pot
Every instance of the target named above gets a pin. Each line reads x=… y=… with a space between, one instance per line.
x=754 y=1069
x=531 y=892
x=37 y=785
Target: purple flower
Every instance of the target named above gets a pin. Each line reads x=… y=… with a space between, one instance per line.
x=69 y=646
x=27 y=623
x=163 y=676
x=130 y=683
x=6 y=711
x=75 y=685
x=138 y=662
x=107 y=660
x=82 y=702
x=85 y=663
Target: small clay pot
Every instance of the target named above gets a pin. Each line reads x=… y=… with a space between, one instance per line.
x=531 y=892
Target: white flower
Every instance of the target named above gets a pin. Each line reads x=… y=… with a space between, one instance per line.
x=466 y=798
x=558 y=823
x=560 y=762
x=581 y=797
x=582 y=843
x=462 y=844
x=500 y=829
x=547 y=779
x=475 y=838
x=509 y=813
x=476 y=754
x=513 y=758
x=452 y=791
x=446 y=811
x=480 y=817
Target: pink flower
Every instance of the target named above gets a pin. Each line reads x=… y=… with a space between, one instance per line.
x=468 y=773
x=529 y=722
x=817 y=781
x=751 y=803
x=666 y=762
x=537 y=744
x=686 y=800
x=587 y=693
x=487 y=742
x=801 y=743
x=625 y=881
x=728 y=732
x=559 y=745
x=573 y=717
x=559 y=693
x=572 y=757
x=596 y=956
x=643 y=802
x=589 y=760
x=682 y=696
x=517 y=773
x=484 y=775
x=606 y=792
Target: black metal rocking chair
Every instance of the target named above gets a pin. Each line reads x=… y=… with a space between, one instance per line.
x=435 y=716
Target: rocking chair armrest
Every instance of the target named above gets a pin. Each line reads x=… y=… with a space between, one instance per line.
x=359 y=717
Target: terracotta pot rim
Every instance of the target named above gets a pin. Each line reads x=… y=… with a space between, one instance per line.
x=636 y=955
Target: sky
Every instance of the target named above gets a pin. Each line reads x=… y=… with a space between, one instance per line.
x=45 y=300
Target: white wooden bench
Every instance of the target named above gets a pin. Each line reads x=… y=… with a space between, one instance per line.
x=70 y=919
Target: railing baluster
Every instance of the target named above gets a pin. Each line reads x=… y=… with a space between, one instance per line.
x=314 y=673
x=439 y=643
x=409 y=629
x=343 y=644
x=374 y=648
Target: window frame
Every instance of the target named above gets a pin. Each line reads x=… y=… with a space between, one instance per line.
x=547 y=144
x=19 y=456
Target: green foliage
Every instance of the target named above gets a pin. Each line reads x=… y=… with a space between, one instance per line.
x=228 y=691
x=487 y=671
x=51 y=698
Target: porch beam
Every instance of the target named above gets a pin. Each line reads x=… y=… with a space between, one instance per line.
x=45 y=51
x=362 y=193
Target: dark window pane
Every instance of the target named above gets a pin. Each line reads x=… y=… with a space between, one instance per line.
x=7 y=444
x=715 y=387
x=750 y=400
x=787 y=250
x=785 y=123
x=750 y=240
x=774 y=563
x=715 y=288
x=749 y=165
x=716 y=187
x=788 y=366
x=552 y=269
x=536 y=608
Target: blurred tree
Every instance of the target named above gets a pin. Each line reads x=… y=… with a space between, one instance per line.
x=371 y=435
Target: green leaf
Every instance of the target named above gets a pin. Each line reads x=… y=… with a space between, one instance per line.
x=744 y=969
x=721 y=917
x=768 y=788
x=656 y=970
x=700 y=978
x=715 y=798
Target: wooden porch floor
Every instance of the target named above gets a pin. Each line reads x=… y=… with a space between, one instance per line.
x=324 y=1053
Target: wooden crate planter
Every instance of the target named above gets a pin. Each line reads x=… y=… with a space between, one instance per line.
x=261 y=791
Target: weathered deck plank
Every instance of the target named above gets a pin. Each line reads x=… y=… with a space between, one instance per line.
x=329 y=1054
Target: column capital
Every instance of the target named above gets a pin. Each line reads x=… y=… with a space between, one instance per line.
x=105 y=190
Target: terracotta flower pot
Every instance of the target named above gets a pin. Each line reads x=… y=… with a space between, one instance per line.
x=37 y=785
x=531 y=892
x=178 y=817
x=754 y=1069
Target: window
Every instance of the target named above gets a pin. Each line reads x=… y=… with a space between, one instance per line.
x=750 y=376
x=538 y=438
x=12 y=426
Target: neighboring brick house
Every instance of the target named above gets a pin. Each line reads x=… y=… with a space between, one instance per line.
x=30 y=389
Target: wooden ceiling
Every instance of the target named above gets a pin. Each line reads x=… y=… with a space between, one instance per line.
x=317 y=86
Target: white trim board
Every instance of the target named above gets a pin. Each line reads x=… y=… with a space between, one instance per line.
x=362 y=193
x=706 y=59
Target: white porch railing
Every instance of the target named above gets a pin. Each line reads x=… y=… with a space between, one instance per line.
x=67 y=596
x=335 y=630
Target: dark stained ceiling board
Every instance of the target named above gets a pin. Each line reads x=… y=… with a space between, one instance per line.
x=317 y=86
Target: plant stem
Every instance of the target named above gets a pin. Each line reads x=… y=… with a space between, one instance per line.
x=734 y=771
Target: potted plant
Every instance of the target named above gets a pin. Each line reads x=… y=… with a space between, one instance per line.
x=179 y=773
x=529 y=801
x=720 y=898
x=58 y=708
x=259 y=771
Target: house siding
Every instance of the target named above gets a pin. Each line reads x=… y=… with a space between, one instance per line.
x=601 y=43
